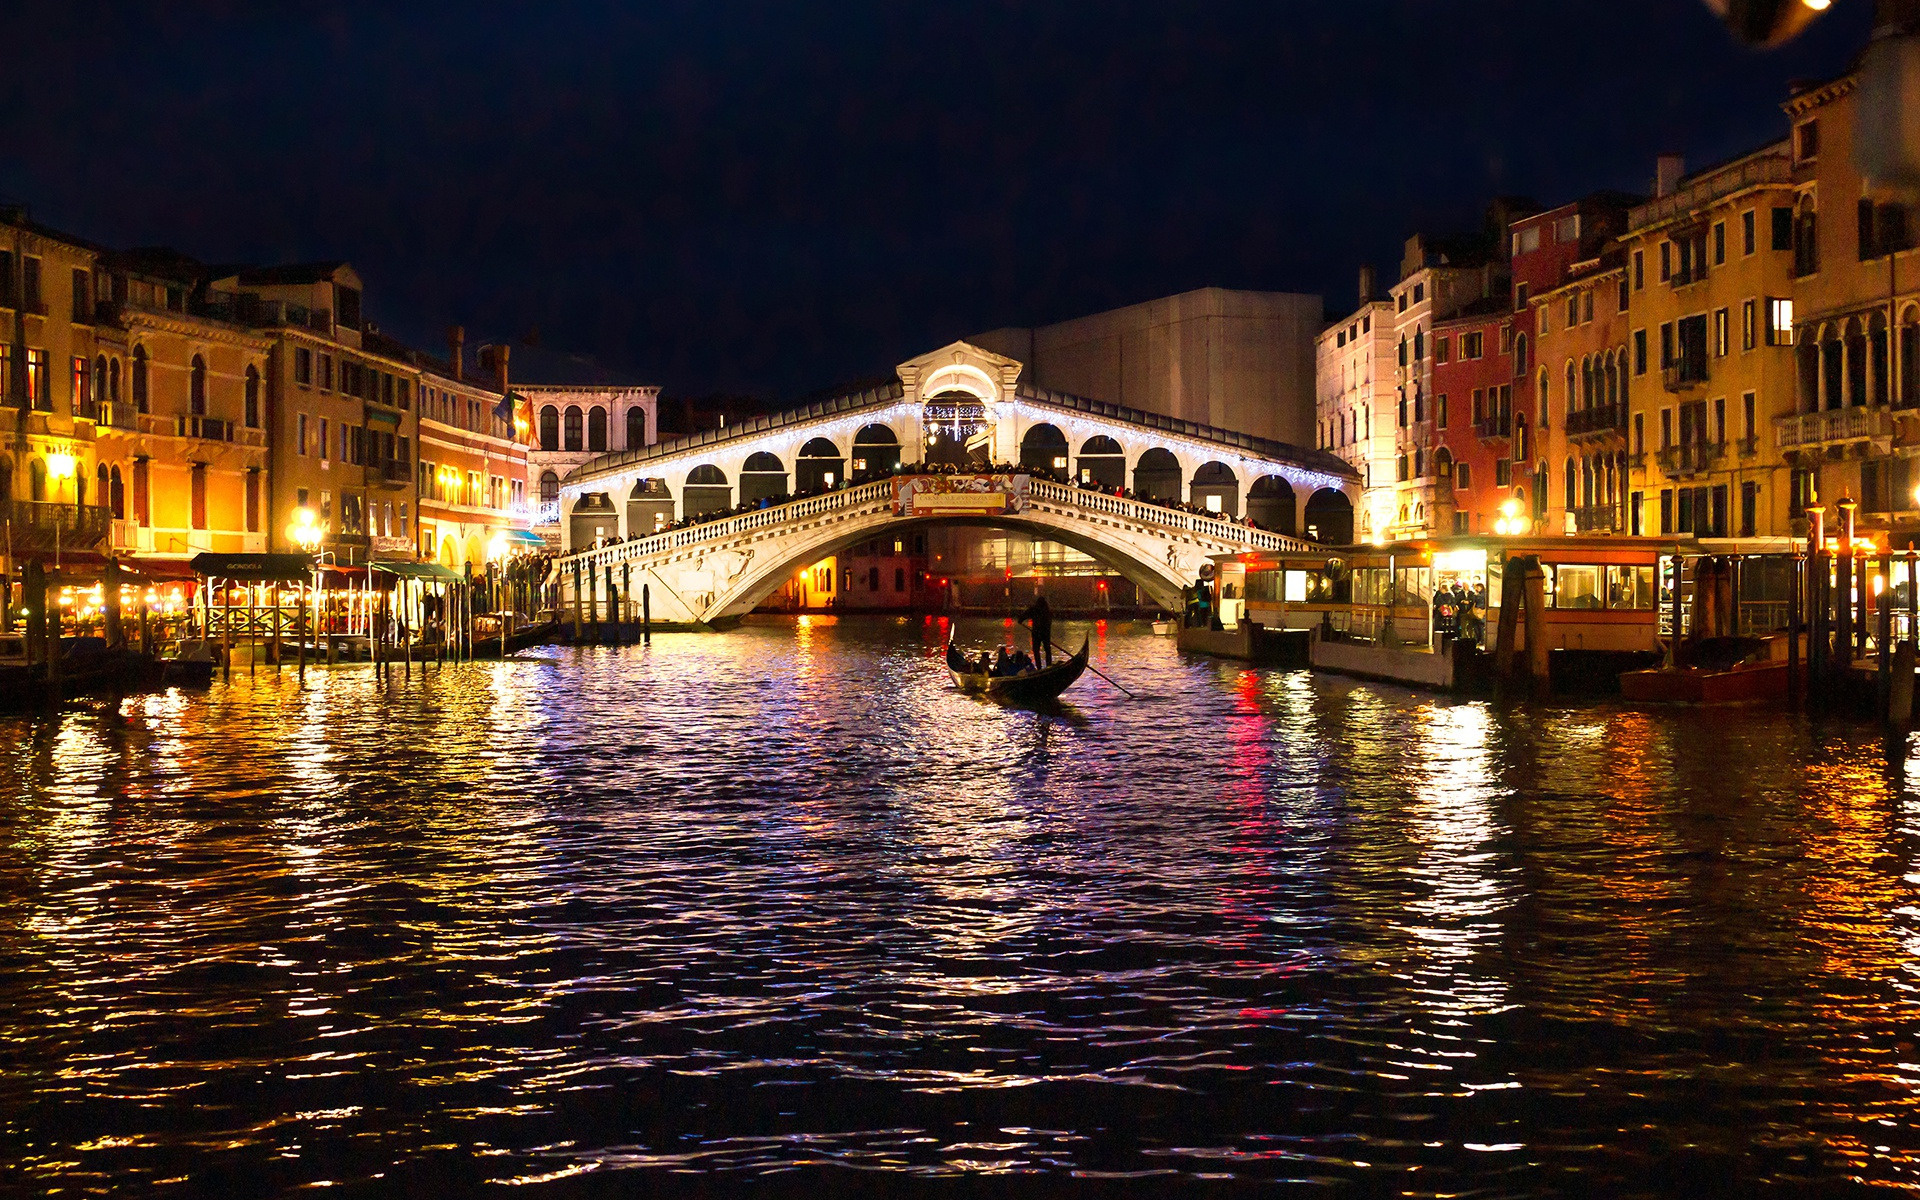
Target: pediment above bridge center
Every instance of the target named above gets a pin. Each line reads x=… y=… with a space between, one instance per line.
x=961 y=367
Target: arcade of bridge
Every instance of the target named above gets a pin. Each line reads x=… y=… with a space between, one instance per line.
x=1004 y=421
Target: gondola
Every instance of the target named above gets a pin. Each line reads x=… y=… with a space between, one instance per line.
x=1034 y=687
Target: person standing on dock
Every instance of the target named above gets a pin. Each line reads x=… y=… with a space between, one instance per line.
x=1039 y=618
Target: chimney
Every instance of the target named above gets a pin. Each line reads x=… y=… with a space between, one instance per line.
x=1667 y=170
x=456 y=348
x=1366 y=283
x=500 y=364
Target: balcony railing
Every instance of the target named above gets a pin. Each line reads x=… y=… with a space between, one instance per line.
x=42 y=525
x=1834 y=427
x=1596 y=518
x=1494 y=428
x=394 y=471
x=1684 y=373
x=1591 y=422
x=207 y=429
x=1690 y=458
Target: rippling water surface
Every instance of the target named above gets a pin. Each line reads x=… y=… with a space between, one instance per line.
x=780 y=899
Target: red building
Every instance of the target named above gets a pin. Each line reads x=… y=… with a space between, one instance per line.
x=1487 y=356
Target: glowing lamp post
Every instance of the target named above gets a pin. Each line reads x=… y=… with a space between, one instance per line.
x=1510 y=522
x=60 y=465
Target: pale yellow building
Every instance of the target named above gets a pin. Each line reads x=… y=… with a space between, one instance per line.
x=1708 y=269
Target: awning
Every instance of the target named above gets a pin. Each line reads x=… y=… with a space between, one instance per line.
x=254 y=568
x=377 y=416
x=157 y=570
x=415 y=570
x=523 y=537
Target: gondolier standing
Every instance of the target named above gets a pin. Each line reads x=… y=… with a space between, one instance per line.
x=1039 y=618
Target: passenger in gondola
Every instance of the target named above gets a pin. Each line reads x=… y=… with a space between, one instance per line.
x=999 y=662
x=1018 y=663
x=985 y=665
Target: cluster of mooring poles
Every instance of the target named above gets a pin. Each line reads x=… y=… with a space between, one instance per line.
x=604 y=610
x=1859 y=648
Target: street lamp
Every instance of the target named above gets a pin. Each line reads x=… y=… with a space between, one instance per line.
x=1510 y=523
x=60 y=466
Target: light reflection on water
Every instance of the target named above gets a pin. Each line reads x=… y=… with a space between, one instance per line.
x=782 y=898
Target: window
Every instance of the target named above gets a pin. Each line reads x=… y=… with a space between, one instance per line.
x=1462 y=476
x=1639 y=269
x=197 y=387
x=39 y=391
x=1747 y=415
x=1573 y=310
x=31 y=297
x=82 y=296
x=1402 y=302
x=1749 y=324
x=1749 y=507
x=1443 y=346
x=1720 y=420
x=1503 y=472
x=403 y=392
x=1419 y=292
x=1666 y=346
x=1520 y=356
x=1440 y=411
x=1639 y=352
x=303 y=366
x=199 y=495
x=1520 y=295
x=1719 y=243
x=1419 y=344
x=549 y=428
x=636 y=428
x=1693 y=348
x=1722 y=333
x=1620 y=301
x=1806 y=141
x=1567 y=229
x=1666 y=261
x=1586 y=305
x=326 y=440
x=1639 y=433
x=597 y=429
x=1749 y=231
x=575 y=424
x=326 y=372
x=1779 y=322
x=1472 y=346
x=82 y=386
x=1526 y=241
x=139 y=384
x=1806 y=239
x=300 y=434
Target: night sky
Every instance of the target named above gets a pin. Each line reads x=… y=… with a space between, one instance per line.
x=773 y=198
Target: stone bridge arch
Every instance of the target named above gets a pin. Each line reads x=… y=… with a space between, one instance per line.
x=1145 y=561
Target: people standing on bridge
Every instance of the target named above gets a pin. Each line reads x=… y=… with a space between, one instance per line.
x=1039 y=618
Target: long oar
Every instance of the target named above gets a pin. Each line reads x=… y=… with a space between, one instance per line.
x=1094 y=669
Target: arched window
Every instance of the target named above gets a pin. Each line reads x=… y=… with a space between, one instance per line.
x=140 y=400
x=596 y=429
x=636 y=428
x=1520 y=440
x=117 y=494
x=113 y=380
x=253 y=396
x=1520 y=357
x=549 y=428
x=37 y=480
x=1544 y=379
x=576 y=427
x=100 y=380
x=549 y=485
x=197 y=387
x=1573 y=386
x=1571 y=486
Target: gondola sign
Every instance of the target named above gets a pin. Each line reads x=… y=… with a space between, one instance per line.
x=959 y=495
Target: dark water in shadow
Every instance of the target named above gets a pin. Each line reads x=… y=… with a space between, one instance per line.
x=631 y=920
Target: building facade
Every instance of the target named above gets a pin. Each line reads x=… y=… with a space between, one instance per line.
x=575 y=424
x=1854 y=320
x=1354 y=401
x=472 y=478
x=1708 y=270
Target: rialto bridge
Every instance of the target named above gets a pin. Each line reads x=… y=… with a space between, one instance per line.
x=811 y=481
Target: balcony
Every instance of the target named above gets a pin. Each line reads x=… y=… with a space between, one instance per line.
x=1596 y=518
x=1690 y=458
x=1684 y=373
x=40 y=526
x=1835 y=427
x=1748 y=446
x=393 y=473
x=1606 y=420
x=1496 y=428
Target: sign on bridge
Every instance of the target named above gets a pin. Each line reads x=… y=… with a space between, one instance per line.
x=960 y=495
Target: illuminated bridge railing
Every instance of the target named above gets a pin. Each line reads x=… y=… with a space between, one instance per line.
x=1148 y=513
x=866 y=495
x=879 y=495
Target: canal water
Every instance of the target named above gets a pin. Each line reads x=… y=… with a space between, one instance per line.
x=687 y=917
